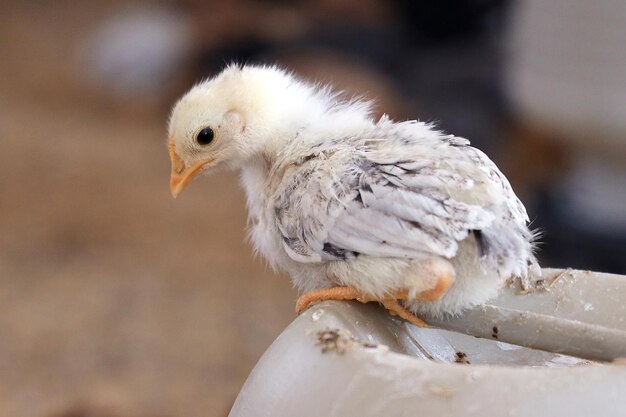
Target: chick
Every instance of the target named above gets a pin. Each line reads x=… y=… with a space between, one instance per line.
x=350 y=207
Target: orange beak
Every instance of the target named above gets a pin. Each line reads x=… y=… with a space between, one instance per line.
x=182 y=175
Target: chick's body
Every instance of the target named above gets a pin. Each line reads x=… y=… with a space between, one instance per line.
x=338 y=199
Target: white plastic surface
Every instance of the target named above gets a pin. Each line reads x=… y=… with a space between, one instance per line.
x=348 y=359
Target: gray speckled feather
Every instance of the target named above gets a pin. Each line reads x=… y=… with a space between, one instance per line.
x=399 y=190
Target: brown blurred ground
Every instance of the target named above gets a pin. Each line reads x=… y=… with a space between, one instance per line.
x=112 y=294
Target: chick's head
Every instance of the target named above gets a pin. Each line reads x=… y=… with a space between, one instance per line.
x=221 y=122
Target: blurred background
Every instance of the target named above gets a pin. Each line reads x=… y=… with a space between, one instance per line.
x=116 y=300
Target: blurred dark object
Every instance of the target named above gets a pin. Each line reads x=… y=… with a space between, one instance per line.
x=569 y=242
x=447 y=20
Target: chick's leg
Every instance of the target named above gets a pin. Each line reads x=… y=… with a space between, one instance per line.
x=439 y=272
x=333 y=293
x=390 y=302
x=395 y=308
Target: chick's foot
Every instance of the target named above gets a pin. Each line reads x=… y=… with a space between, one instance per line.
x=390 y=301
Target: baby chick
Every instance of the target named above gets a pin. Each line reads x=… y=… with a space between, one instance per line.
x=350 y=207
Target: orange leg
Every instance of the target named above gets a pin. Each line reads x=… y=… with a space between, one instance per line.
x=390 y=302
x=334 y=293
x=394 y=307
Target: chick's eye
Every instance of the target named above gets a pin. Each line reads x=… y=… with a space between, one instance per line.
x=205 y=136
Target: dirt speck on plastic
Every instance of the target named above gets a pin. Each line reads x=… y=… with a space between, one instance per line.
x=339 y=341
x=494 y=332
x=461 y=357
x=544 y=284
